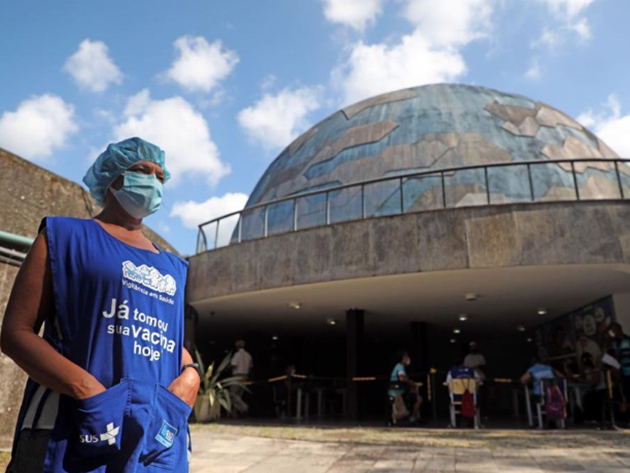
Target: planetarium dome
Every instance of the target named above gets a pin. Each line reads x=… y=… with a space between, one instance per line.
x=425 y=128
x=430 y=147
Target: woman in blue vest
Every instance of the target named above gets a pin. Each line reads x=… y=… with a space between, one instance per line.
x=110 y=384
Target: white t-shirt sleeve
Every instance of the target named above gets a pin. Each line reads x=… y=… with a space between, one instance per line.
x=610 y=361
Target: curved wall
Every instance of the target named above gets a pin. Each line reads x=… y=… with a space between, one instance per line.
x=591 y=232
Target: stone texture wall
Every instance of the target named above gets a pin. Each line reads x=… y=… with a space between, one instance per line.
x=28 y=193
x=473 y=237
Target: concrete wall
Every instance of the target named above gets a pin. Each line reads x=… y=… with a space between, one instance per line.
x=473 y=237
x=28 y=193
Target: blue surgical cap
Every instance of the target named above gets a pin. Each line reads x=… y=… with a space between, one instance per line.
x=116 y=159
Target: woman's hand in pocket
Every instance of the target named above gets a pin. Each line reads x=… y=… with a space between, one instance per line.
x=186 y=386
x=89 y=387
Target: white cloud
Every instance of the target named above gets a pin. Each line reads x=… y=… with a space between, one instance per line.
x=193 y=213
x=570 y=21
x=180 y=130
x=92 y=68
x=354 y=13
x=582 y=29
x=610 y=125
x=40 y=125
x=534 y=72
x=567 y=8
x=275 y=120
x=201 y=66
x=429 y=54
x=452 y=22
x=379 y=68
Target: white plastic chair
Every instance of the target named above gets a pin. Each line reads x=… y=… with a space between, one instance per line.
x=457 y=387
x=540 y=406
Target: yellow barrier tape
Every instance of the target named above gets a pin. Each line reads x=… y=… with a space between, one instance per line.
x=277 y=378
x=364 y=378
x=301 y=376
x=503 y=380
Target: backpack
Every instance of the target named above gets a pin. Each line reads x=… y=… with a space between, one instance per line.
x=468 y=404
x=555 y=404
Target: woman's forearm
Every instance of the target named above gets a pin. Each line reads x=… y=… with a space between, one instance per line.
x=48 y=367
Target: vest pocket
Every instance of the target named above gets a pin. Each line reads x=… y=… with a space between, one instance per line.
x=98 y=421
x=165 y=435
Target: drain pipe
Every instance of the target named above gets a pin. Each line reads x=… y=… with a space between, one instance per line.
x=13 y=239
x=9 y=255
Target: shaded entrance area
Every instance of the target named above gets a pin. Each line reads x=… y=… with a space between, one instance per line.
x=336 y=332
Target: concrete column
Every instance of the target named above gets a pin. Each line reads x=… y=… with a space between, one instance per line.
x=419 y=347
x=354 y=339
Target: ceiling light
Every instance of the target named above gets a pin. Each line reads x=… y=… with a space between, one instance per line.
x=530 y=339
x=456 y=330
x=542 y=311
x=463 y=317
x=520 y=328
x=295 y=305
x=331 y=321
x=471 y=296
x=275 y=337
x=453 y=340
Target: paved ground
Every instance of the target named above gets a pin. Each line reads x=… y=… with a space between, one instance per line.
x=276 y=449
x=232 y=449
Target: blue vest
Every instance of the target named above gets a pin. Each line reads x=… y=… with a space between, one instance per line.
x=118 y=315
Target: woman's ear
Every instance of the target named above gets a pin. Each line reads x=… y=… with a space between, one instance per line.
x=117 y=184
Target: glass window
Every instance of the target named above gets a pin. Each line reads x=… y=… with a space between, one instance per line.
x=382 y=198
x=422 y=193
x=509 y=184
x=345 y=204
x=311 y=211
x=466 y=187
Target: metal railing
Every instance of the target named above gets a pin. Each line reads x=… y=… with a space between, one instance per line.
x=484 y=184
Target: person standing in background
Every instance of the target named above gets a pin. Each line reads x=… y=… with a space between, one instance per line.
x=476 y=361
x=242 y=364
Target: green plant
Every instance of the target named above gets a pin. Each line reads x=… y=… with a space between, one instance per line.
x=216 y=389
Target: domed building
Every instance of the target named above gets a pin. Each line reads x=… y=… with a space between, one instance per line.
x=423 y=219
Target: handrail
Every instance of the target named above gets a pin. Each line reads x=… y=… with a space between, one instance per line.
x=441 y=173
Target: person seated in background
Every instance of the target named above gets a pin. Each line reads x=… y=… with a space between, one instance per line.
x=621 y=346
x=402 y=388
x=594 y=398
x=536 y=373
x=460 y=371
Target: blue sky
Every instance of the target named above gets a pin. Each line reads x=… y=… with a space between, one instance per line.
x=222 y=87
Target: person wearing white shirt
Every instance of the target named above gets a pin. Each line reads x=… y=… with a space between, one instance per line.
x=242 y=364
x=475 y=360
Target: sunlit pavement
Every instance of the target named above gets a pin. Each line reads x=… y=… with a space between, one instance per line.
x=231 y=449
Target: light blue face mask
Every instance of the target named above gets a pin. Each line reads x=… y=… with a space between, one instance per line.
x=140 y=194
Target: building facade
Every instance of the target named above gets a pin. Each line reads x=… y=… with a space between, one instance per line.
x=422 y=218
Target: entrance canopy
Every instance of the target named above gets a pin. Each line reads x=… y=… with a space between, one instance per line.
x=496 y=301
